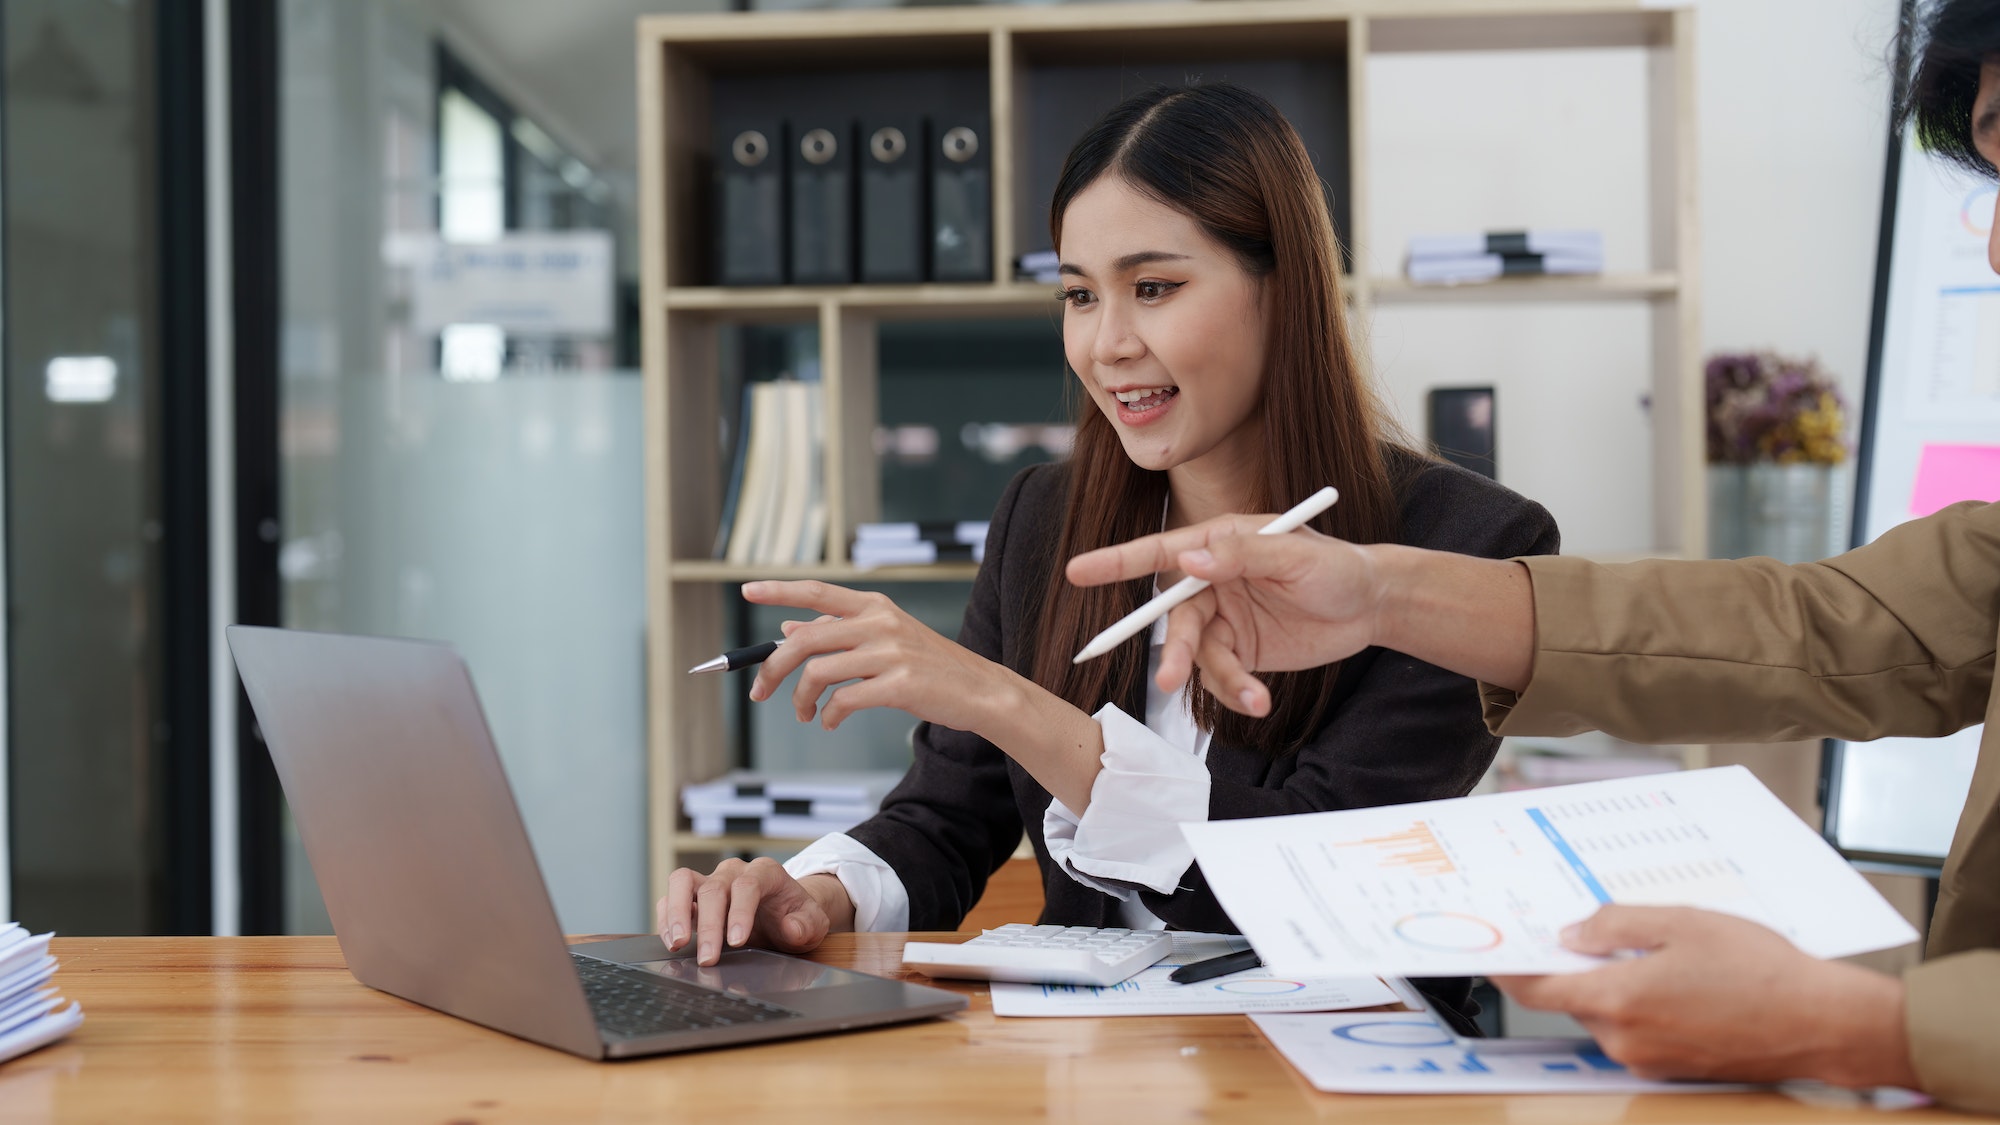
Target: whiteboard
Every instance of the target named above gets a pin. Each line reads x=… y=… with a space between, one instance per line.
x=1930 y=435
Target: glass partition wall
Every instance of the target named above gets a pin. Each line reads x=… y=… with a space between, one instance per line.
x=91 y=810
x=460 y=424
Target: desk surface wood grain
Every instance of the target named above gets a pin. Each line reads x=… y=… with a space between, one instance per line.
x=222 y=1029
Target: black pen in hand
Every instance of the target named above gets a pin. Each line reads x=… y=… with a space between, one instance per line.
x=738 y=658
x=1216 y=967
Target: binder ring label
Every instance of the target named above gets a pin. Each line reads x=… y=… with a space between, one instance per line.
x=818 y=146
x=888 y=144
x=960 y=144
x=750 y=148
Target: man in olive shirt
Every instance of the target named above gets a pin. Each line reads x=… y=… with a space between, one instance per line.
x=1895 y=638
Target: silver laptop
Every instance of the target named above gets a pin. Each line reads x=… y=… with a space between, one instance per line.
x=434 y=892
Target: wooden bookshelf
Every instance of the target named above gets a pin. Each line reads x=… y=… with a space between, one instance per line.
x=682 y=58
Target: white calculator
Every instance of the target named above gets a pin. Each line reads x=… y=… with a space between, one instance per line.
x=1043 y=954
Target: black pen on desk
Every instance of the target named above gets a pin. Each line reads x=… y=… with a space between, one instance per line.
x=1216 y=967
x=737 y=658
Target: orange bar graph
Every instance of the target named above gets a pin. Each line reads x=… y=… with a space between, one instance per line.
x=1416 y=848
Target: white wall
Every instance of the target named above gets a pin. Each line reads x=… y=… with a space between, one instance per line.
x=1794 y=101
x=1792 y=107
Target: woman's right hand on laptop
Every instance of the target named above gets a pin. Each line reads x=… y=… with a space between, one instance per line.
x=753 y=903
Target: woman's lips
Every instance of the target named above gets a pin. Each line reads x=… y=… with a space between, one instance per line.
x=1150 y=409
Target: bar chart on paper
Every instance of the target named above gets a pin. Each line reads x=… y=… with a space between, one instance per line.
x=1486 y=884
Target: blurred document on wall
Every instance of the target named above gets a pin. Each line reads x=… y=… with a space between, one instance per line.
x=557 y=282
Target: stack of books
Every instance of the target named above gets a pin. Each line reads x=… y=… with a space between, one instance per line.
x=775 y=510
x=1038 y=265
x=1461 y=259
x=787 y=806
x=31 y=1010
x=918 y=544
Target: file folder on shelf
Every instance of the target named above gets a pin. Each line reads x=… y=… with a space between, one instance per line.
x=961 y=203
x=751 y=190
x=822 y=196
x=893 y=216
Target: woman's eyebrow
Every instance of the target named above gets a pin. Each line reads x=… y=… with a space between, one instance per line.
x=1128 y=262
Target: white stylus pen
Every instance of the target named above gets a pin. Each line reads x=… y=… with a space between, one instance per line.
x=1130 y=625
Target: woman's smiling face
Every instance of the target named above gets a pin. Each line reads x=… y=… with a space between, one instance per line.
x=1164 y=327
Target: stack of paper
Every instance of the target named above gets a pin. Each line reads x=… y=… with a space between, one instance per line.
x=1459 y=259
x=1038 y=265
x=787 y=806
x=919 y=544
x=1153 y=992
x=31 y=1011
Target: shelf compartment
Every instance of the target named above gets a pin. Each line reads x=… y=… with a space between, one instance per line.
x=1462 y=27
x=737 y=842
x=935 y=299
x=715 y=570
x=1599 y=287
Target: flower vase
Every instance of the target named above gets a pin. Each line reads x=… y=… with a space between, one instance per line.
x=1792 y=513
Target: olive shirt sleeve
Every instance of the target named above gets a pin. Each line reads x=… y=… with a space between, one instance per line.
x=1894 y=638
x=1403 y=730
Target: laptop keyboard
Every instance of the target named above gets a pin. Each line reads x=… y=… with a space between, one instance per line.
x=632 y=1003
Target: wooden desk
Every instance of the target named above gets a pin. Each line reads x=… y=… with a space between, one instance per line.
x=219 y=1029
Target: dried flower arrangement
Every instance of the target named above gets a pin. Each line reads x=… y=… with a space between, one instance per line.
x=1766 y=407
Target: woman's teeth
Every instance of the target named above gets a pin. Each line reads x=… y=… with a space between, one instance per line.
x=1147 y=398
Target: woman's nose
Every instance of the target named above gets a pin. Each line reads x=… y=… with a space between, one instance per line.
x=1116 y=340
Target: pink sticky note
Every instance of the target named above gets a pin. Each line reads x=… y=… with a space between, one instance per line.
x=1947 y=474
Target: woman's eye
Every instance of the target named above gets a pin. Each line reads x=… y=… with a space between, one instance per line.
x=1075 y=298
x=1154 y=290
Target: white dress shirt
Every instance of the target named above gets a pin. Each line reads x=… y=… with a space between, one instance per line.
x=1154 y=777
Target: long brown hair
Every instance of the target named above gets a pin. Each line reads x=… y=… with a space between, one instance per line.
x=1227 y=159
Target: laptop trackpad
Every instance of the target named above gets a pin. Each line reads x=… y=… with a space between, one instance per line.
x=752 y=972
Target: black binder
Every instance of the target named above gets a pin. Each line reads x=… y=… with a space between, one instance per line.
x=822 y=174
x=961 y=202
x=893 y=226
x=750 y=240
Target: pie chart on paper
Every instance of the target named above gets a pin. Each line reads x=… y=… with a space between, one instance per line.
x=1448 y=932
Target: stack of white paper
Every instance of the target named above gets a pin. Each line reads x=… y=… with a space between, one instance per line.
x=918 y=544
x=1458 y=259
x=786 y=806
x=1153 y=993
x=31 y=1011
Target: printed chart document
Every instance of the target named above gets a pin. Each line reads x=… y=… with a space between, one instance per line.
x=1479 y=885
x=1150 y=993
x=1409 y=1053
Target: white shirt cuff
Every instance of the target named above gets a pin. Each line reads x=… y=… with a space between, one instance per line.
x=1146 y=789
x=880 y=902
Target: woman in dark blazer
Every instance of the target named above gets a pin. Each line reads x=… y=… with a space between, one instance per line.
x=1203 y=318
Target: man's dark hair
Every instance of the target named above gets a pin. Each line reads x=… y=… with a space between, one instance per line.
x=1946 y=43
